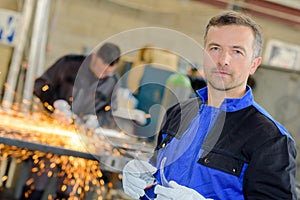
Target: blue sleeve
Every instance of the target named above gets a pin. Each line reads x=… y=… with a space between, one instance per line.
x=149 y=194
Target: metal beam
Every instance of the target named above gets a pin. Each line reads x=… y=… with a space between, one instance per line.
x=17 y=55
x=36 y=37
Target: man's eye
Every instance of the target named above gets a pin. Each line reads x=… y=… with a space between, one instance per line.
x=238 y=52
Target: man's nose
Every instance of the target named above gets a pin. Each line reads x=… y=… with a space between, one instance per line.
x=224 y=58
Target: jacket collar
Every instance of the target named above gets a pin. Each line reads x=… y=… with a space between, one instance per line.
x=231 y=104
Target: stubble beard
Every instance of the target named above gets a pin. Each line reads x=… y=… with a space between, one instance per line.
x=223 y=87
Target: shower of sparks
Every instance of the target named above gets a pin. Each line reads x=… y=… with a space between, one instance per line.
x=79 y=175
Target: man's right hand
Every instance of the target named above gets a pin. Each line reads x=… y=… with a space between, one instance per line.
x=137 y=176
x=62 y=112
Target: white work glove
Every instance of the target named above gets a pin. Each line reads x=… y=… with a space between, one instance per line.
x=137 y=175
x=90 y=122
x=177 y=192
x=62 y=112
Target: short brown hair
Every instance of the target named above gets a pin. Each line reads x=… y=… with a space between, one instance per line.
x=236 y=18
x=110 y=53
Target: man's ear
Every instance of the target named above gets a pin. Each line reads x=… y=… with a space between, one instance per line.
x=255 y=64
x=93 y=58
x=94 y=55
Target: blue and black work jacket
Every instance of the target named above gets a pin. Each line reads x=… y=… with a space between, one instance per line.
x=237 y=151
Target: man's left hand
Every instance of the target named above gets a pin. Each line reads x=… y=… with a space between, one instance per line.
x=177 y=192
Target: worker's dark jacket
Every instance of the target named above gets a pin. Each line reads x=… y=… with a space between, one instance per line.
x=235 y=152
x=70 y=78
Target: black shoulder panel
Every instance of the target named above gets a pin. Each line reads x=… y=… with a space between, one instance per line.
x=177 y=120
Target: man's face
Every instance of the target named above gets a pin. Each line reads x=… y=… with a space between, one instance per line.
x=231 y=61
x=100 y=68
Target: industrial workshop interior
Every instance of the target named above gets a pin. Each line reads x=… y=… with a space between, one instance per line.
x=47 y=154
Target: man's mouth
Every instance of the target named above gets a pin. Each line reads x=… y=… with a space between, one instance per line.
x=221 y=73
